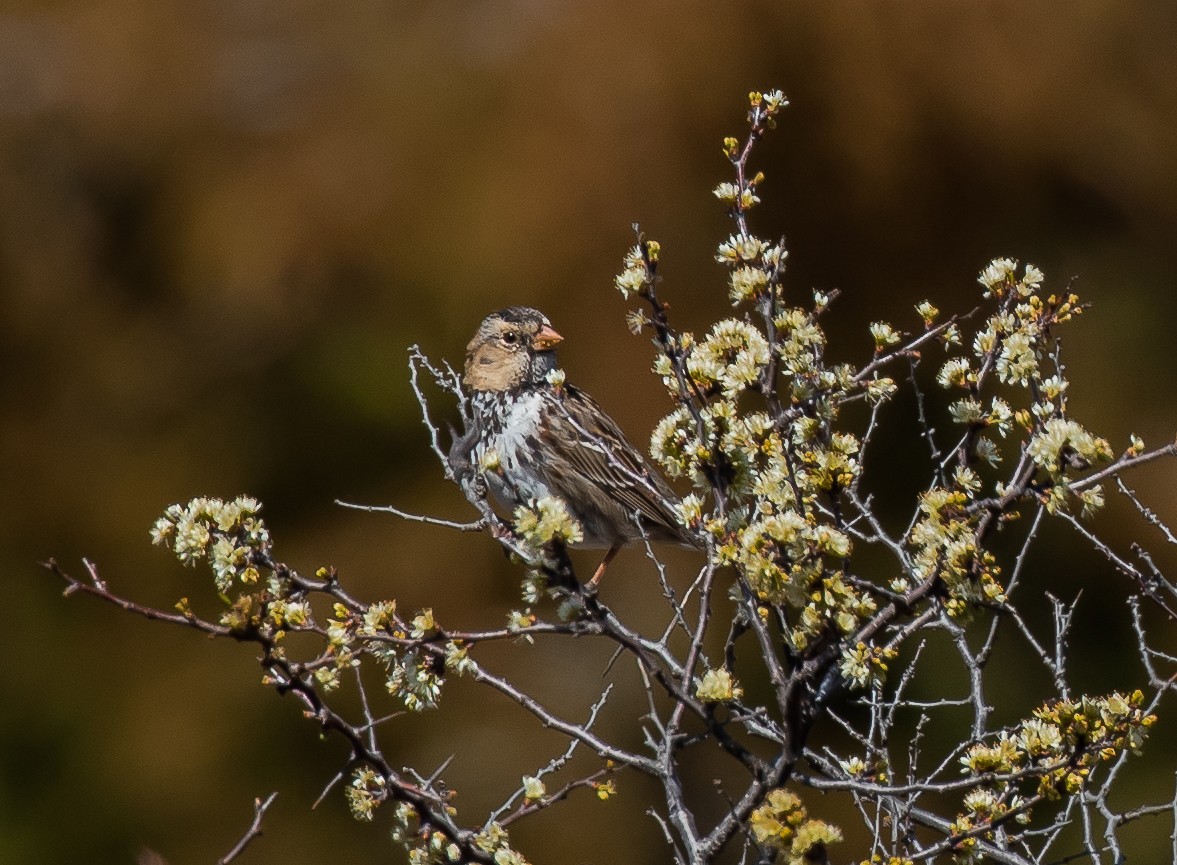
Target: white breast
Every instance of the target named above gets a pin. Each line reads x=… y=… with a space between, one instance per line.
x=519 y=478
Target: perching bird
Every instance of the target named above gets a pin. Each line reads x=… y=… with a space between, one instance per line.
x=552 y=439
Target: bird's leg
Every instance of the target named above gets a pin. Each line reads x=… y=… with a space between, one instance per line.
x=600 y=571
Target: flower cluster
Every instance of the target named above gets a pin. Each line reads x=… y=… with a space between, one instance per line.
x=416 y=677
x=1048 y=756
x=743 y=198
x=970 y=412
x=767 y=104
x=237 y=542
x=546 y=520
x=718 y=686
x=1000 y=279
x=416 y=673
x=493 y=839
x=730 y=359
x=227 y=533
x=428 y=845
x=782 y=824
x=945 y=542
x=365 y=793
x=783 y=554
x=605 y=790
x=755 y=267
x=636 y=273
x=1062 y=443
x=863 y=664
x=1016 y=344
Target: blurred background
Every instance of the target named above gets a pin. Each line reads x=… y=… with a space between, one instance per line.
x=222 y=224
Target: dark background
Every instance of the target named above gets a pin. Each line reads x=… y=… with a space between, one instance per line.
x=221 y=225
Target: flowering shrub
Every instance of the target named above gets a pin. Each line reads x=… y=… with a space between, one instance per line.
x=787 y=630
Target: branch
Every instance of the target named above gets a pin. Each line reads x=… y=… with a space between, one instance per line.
x=97 y=588
x=476 y=526
x=255 y=829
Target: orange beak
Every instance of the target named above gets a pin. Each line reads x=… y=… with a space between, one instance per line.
x=546 y=338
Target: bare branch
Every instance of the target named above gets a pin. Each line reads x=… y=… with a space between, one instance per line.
x=260 y=806
x=477 y=526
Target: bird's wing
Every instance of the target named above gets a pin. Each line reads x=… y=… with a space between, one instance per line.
x=591 y=454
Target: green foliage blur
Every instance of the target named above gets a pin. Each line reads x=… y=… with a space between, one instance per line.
x=222 y=225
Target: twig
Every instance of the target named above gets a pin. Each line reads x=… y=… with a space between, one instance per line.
x=476 y=526
x=255 y=829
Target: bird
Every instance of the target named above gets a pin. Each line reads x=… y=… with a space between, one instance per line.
x=552 y=439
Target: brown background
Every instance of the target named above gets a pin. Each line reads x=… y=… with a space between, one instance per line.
x=221 y=225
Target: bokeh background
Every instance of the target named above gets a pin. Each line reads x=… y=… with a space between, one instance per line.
x=223 y=223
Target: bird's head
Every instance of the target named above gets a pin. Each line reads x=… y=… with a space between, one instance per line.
x=512 y=347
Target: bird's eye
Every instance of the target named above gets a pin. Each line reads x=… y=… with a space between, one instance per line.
x=509 y=338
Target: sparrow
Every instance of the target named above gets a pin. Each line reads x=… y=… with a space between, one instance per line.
x=552 y=439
